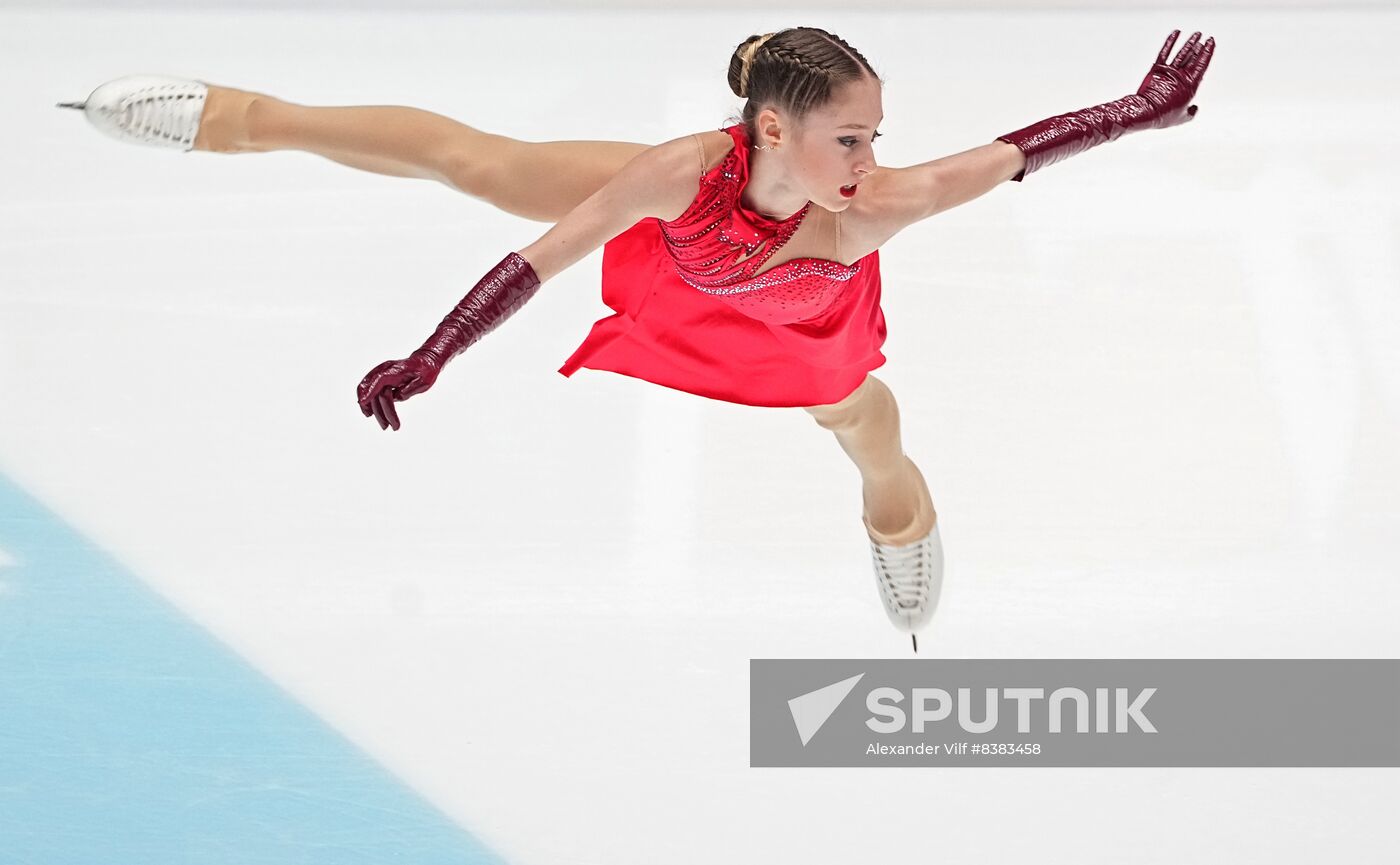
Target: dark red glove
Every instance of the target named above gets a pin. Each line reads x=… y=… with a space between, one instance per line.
x=1161 y=101
x=493 y=300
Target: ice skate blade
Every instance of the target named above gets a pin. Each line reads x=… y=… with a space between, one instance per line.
x=78 y=105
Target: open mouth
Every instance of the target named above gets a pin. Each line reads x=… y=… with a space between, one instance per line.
x=849 y=191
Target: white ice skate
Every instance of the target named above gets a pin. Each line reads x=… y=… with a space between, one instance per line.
x=910 y=578
x=157 y=110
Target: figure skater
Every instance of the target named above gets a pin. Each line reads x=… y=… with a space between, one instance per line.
x=742 y=264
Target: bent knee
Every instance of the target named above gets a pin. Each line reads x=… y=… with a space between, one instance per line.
x=871 y=397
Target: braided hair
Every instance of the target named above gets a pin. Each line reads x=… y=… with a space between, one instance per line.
x=795 y=70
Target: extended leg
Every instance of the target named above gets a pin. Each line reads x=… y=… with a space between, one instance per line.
x=542 y=181
x=898 y=506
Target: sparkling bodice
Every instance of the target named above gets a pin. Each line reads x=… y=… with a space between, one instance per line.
x=716 y=244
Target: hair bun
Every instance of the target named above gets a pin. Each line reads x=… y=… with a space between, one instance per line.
x=749 y=53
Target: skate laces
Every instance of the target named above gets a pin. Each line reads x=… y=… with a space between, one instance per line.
x=167 y=111
x=903 y=574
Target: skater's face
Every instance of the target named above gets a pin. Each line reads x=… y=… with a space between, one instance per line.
x=835 y=144
x=832 y=148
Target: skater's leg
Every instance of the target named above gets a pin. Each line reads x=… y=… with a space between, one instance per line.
x=536 y=180
x=897 y=502
x=544 y=180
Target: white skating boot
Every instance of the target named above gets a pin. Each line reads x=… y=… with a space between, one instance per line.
x=157 y=110
x=910 y=579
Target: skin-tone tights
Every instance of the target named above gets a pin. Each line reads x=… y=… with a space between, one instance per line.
x=543 y=181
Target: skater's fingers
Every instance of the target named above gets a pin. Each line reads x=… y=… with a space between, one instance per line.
x=361 y=392
x=1167 y=47
x=378 y=410
x=369 y=385
x=1184 y=55
x=389 y=411
x=1202 y=59
x=362 y=397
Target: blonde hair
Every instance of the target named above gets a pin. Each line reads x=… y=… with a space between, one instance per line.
x=748 y=64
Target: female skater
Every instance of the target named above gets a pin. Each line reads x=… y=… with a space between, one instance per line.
x=741 y=264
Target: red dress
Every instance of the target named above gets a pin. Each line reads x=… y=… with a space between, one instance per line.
x=689 y=315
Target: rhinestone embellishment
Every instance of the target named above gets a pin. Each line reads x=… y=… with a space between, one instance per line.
x=797 y=269
x=717 y=251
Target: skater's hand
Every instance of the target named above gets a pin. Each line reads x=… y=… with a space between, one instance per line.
x=1170 y=87
x=394 y=381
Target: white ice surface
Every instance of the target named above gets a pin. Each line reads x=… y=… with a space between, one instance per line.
x=1155 y=391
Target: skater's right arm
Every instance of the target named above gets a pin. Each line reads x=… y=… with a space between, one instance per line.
x=650 y=184
x=658 y=182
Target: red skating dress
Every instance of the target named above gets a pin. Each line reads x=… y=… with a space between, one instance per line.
x=689 y=315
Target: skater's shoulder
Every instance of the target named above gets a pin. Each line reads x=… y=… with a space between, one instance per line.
x=715 y=145
x=696 y=154
x=677 y=166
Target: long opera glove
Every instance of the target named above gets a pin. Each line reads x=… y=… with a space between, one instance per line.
x=1162 y=100
x=495 y=298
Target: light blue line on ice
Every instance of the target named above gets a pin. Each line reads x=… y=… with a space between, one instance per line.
x=128 y=734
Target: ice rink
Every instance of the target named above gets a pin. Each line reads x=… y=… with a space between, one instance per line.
x=1154 y=389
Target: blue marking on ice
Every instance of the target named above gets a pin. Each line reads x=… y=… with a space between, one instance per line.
x=129 y=734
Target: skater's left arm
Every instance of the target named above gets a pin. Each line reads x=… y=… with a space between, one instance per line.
x=906 y=195
x=899 y=197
